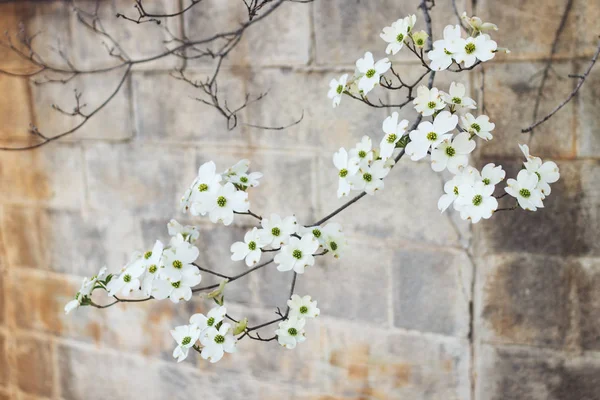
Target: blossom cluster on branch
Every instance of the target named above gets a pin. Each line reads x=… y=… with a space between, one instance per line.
x=446 y=130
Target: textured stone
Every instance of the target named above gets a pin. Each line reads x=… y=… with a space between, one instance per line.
x=382 y=365
x=90 y=52
x=528 y=28
x=305 y=93
x=587 y=280
x=2 y=298
x=431 y=291
x=338 y=285
x=529 y=373
x=405 y=210
x=141 y=178
x=271 y=41
x=170 y=116
x=53 y=176
x=15 y=110
x=344 y=32
x=112 y=122
x=567 y=225
x=588 y=118
x=101 y=239
x=35 y=366
x=3 y=361
x=509 y=99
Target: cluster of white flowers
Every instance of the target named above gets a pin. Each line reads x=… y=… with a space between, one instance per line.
x=220 y=195
x=291 y=331
x=216 y=337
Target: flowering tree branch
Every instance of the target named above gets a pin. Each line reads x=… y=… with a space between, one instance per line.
x=45 y=72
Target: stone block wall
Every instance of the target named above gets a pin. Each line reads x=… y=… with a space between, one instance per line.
x=423 y=306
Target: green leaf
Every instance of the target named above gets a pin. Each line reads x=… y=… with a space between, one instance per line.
x=404 y=140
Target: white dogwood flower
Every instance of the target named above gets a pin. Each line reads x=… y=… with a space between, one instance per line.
x=394 y=130
x=217 y=342
x=291 y=332
x=245 y=180
x=206 y=184
x=451 y=188
x=492 y=174
x=371 y=71
x=250 y=248
x=363 y=152
x=178 y=258
x=297 y=254
x=347 y=167
x=477 y=24
x=475 y=201
x=129 y=278
x=370 y=179
x=153 y=261
x=336 y=89
x=87 y=287
x=397 y=33
x=525 y=190
x=333 y=239
x=189 y=232
x=185 y=336
x=177 y=290
x=225 y=202
x=277 y=231
x=453 y=155
x=480 y=126
x=457 y=97
x=547 y=172
x=430 y=135
x=212 y=319
x=441 y=55
x=428 y=101
x=469 y=50
x=303 y=307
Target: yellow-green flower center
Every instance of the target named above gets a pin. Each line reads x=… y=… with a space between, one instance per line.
x=292 y=331
x=333 y=246
x=476 y=126
x=303 y=310
x=127 y=278
x=400 y=38
x=450 y=152
x=152 y=269
x=432 y=136
x=486 y=181
x=456 y=100
x=456 y=190
x=221 y=201
x=370 y=73
x=210 y=321
x=343 y=173
x=219 y=339
x=477 y=200
x=177 y=264
x=297 y=254
x=470 y=48
x=203 y=187
x=148 y=255
x=340 y=89
x=362 y=154
x=525 y=193
x=431 y=104
x=252 y=245
x=392 y=138
x=276 y=231
x=367 y=177
x=316 y=232
x=176 y=285
x=186 y=340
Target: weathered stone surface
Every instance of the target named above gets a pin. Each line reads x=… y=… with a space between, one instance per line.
x=405 y=210
x=137 y=41
x=2 y=298
x=507 y=372
x=587 y=279
x=509 y=100
x=344 y=33
x=177 y=116
x=343 y=287
x=431 y=290
x=146 y=179
x=113 y=122
x=35 y=367
x=528 y=28
x=53 y=177
x=15 y=110
x=588 y=118
x=567 y=225
x=380 y=364
x=3 y=361
x=274 y=40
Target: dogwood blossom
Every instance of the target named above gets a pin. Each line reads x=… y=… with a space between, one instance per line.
x=457 y=97
x=153 y=261
x=441 y=55
x=291 y=332
x=129 y=279
x=525 y=190
x=370 y=179
x=363 y=152
x=336 y=89
x=189 y=232
x=303 y=307
x=394 y=130
x=177 y=259
x=477 y=24
x=471 y=49
x=430 y=135
x=492 y=174
x=216 y=342
x=347 y=168
x=452 y=154
x=547 y=172
x=428 y=101
x=225 y=202
x=371 y=71
x=185 y=336
x=87 y=287
x=420 y=38
x=212 y=319
x=397 y=33
x=177 y=290
x=475 y=201
x=277 y=231
x=297 y=254
x=480 y=126
x=239 y=168
x=199 y=197
x=334 y=239
x=451 y=188
x=250 y=248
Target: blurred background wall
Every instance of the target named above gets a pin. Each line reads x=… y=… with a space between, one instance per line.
x=423 y=306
